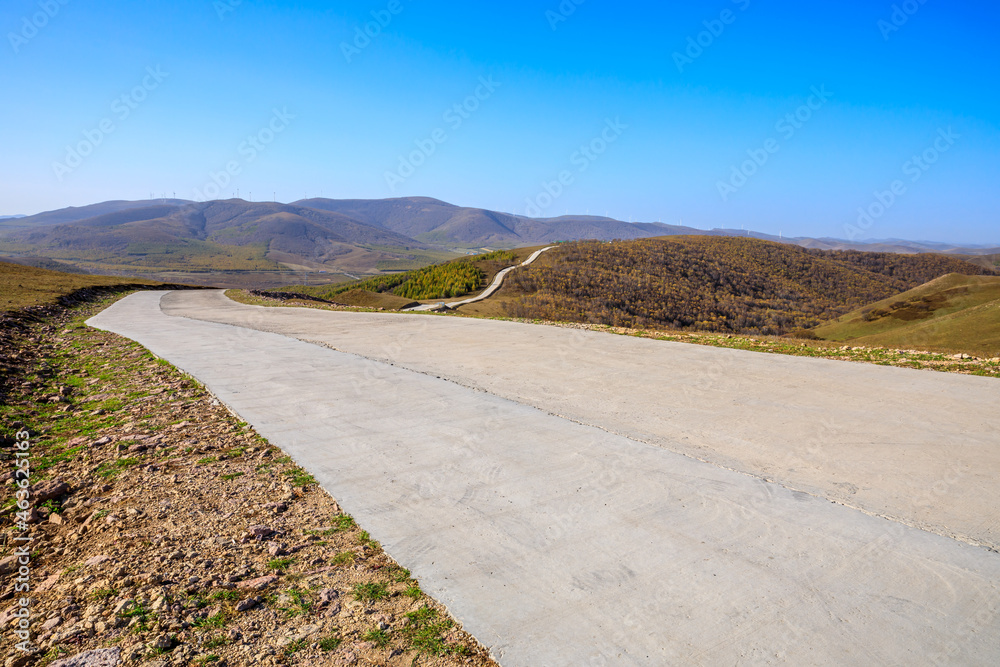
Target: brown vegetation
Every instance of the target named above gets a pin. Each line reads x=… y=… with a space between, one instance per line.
x=718 y=284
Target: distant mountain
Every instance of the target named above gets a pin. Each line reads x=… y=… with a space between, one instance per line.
x=127 y=227
x=894 y=245
x=437 y=222
x=11 y=217
x=77 y=213
x=350 y=236
x=887 y=245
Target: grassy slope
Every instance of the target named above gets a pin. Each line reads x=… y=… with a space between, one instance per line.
x=952 y=313
x=22 y=286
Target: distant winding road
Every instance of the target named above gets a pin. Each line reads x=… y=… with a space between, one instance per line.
x=488 y=292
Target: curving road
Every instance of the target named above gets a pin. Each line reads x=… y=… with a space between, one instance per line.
x=488 y=292
x=577 y=498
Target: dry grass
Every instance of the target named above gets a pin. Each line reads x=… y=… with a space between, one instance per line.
x=951 y=314
x=23 y=286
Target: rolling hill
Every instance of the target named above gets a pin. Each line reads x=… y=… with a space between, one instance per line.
x=77 y=213
x=223 y=235
x=952 y=312
x=707 y=283
x=249 y=243
x=991 y=261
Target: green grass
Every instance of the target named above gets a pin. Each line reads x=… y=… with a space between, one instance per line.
x=425 y=633
x=53 y=506
x=370 y=592
x=496 y=256
x=280 y=564
x=231 y=476
x=295 y=646
x=344 y=558
x=139 y=612
x=379 y=637
x=300 y=477
x=330 y=643
x=110 y=469
x=215 y=621
x=301 y=605
x=104 y=594
x=343 y=522
x=199 y=601
x=46 y=461
x=230 y=596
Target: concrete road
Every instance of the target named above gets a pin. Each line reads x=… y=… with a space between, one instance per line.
x=585 y=499
x=919 y=447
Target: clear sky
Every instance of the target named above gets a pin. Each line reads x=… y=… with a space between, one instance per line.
x=644 y=110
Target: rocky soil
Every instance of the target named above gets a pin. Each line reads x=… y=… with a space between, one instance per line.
x=167 y=532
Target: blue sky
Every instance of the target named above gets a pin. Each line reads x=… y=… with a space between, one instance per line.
x=644 y=111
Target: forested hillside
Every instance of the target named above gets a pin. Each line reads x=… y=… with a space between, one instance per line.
x=714 y=283
x=455 y=278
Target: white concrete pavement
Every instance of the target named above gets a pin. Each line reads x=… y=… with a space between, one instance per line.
x=916 y=446
x=559 y=542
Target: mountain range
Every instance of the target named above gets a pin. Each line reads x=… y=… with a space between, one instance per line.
x=349 y=235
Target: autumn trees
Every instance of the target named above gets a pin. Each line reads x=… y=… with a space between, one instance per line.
x=708 y=283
